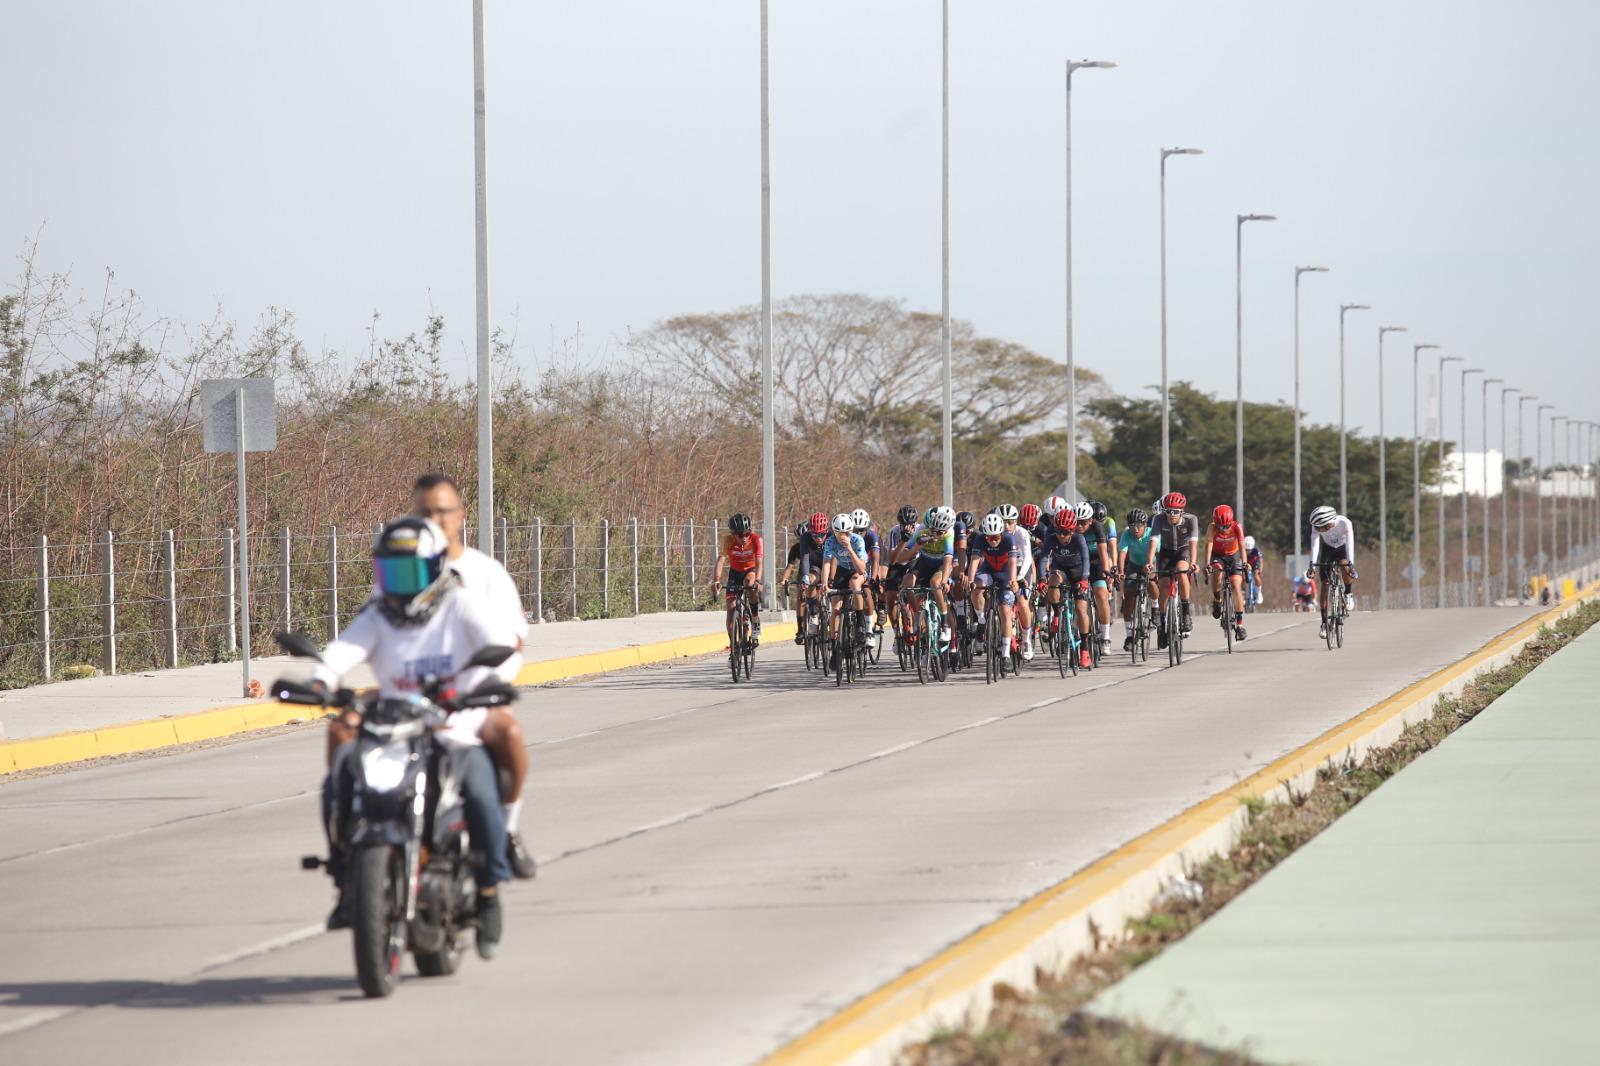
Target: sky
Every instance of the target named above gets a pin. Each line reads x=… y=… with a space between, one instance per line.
x=1438 y=156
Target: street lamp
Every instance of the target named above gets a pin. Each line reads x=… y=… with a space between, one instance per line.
x=1344 y=469
x=1557 y=560
x=769 y=479
x=1072 y=379
x=1483 y=421
x=1166 y=399
x=1463 y=492
x=1383 y=480
x=1522 y=493
x=1297 y=504
x=480 y=213
x=1538 y=485
x=1238 y=356
x=1416 y=476
x=1505 y=497
x=944 y=266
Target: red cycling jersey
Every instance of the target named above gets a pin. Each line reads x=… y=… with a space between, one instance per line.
x=744 y=553
x=1226 y=541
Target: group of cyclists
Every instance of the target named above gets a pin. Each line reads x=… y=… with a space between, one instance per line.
x=1011 y=559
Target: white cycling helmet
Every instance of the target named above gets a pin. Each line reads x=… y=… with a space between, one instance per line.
x=992 y=525
x=1158 y=507
x=1085 y=512
x=862 y=520
x=944 y=519
x=1054 y=504
x=1007 y=512
x=843 y=523
x=1249 y=544
x=1323 y=516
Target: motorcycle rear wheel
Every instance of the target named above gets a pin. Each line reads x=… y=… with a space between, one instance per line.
x=373 y=890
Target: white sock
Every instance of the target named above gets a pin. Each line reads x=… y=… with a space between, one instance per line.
x=513 y=814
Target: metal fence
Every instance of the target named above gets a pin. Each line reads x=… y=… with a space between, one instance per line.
x=111 y=603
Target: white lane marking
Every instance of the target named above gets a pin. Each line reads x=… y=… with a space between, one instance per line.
x=793 y=781
x=897 y=749
x=265 y=947
x=40 y=1017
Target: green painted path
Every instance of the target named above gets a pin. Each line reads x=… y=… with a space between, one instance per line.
x=1452 y=917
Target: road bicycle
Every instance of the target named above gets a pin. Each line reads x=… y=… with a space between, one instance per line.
x=1172 y=617
x=1334 y=592
x=1220 y=575
x=741 y=636
x=1143 y=620
x=1068 y=644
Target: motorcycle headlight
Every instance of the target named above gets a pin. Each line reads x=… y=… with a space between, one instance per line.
x=384 y=767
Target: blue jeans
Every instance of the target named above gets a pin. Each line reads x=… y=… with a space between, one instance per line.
x=486 y=820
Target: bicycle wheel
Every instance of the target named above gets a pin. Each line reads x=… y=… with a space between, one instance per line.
x=918 y=639
x=749 y=645
x=1227 y=618
x=735 y=643
x=1169 y=620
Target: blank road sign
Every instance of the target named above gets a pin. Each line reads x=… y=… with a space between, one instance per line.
x=260 y=414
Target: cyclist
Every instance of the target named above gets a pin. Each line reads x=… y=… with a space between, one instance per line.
x=1109 y=523
x=869 y=537
x=966 y=534
x=1252 y=559
x=931 y=554
x=844 y=569
x=1021 y=535
x=1094 y=535
x=1225 y=561
x=1068 y=554
x=904 y=529
x=741 y=554
x=1175 y=532
x=1333 y=541
x=805 y=561
x=993 y=563
x=1305 y=594
x=1133 y=561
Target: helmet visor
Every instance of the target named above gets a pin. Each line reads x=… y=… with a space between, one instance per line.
x=404 y=575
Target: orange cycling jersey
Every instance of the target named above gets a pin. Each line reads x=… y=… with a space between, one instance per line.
x=743 y=552
x=1226 y=541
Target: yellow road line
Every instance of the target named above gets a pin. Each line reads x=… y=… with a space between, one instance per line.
x=957 y=970
x=150 y=735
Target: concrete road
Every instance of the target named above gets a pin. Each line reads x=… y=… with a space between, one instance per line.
x=724 y=867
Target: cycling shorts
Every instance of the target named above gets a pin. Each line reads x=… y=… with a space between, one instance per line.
x=738 y=580
x=986 y=578
x=1327 y=555
x=1231 y=564
x=1168 y=560
x=926 y=567
x=897 y=573
x=841 y=579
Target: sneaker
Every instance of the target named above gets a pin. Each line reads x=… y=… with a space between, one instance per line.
x=1085 y=660
x=523 y=865
x=1027 y=652
x=339 y=917
x=944 y=634
x=1349 y=602
x=1216 y=609
x=1161 y=638
x=489 y=924
x=755 y=632
x=1322 y=631
x=1238 y=633
x=833 y=663
x=799 y=636
x=1127 y=644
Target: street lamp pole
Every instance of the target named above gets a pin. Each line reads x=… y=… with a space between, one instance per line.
x=1505 y=497
x=1558 y=560
x=1383 y=480
x=1416 y=475
x=1522 y=493
x=1073 y=65
x=1462 y=493
x=1298 y=518
x=1238 y=357
x=480 y=212
x=1538 y=486
x=944 y=225
x=1483 y=422
x=1166 y=395
x=1344 y=466
x=769 y=487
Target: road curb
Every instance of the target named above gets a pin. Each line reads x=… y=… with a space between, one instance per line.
x=1046 y=932
x=59 y=749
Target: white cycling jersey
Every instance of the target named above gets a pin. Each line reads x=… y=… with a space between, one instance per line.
x=1340 y=535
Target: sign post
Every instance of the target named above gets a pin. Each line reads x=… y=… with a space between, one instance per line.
x=240 y=415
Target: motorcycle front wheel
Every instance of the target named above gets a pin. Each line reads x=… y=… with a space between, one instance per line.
x=375 y=884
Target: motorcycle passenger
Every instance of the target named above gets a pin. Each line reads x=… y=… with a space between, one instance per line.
x=422 y=623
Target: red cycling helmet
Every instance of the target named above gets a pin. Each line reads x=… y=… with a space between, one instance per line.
x=1175 y=501
x=1066 y=520
x=1030 y=514
x=1222 y=514
x=818 y=523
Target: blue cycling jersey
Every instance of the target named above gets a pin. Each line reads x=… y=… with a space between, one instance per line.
x=834 y=549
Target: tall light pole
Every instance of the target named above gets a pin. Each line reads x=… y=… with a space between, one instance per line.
x=1416 y=476
x=1483 y=422
x=1538 y=486
x=944 y=230
x=1298 y=516
x=1558 y=561
x=769 y=486
x=1462 y=493
x=1166 y=395
x=1073 y=65
x=1238 y=357
x=1383 y=480
x=1505 y=497
x=481 y=257
x=1344 y=465
x=1522 y=493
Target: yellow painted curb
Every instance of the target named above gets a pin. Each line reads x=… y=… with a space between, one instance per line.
x=60 y=748
x=878 y=1016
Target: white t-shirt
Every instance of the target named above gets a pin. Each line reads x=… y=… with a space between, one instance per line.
x=488 y=582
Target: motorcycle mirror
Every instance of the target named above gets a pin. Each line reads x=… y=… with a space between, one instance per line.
x=286 y=690
x=492 y=693
x=491 y=655
x=298 y=644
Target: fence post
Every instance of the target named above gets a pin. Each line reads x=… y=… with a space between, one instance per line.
x=633 y=538
x=778 y=565
x=333 y=581
x=605 y=568
x=538 y=571
x=230 y=590
x=283 y=576
x=572 y=541
x=665 y=579
x=44 y=606
x=108 y=559
x=501 y=533
x=690 y=536
x=169 y=557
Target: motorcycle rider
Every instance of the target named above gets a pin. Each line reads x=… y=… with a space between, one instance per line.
x=422 y=622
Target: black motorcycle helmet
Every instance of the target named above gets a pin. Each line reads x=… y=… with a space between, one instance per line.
x=907 y=515
x=739 y=524
x=409 y=571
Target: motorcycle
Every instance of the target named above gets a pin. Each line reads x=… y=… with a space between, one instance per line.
x=398 y=816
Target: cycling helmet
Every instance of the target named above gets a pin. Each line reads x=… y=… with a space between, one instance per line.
x=802 y=529
x=1085 y=513
x=993 y=525
x=1007 y=512
x=940 y=519
x=843 y=523
x=1249 y=544
x=1065 y=519
x=1222 y=514
x=408 y=569
x=862 y=520
x=1054 y=504
x=1030 y=515
x=1323 y=516
x=907 y=515
x=1157 y=507
x=818 y=523
x=1138 y=517
x=1174 y=501
x=739 y=524
x=1099 y=510
x=967 y=519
